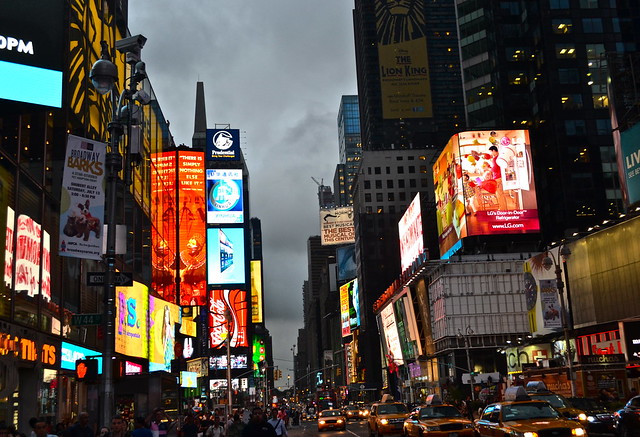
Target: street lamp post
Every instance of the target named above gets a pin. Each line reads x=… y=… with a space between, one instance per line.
x=465 y=337
x=229 y=319
x=293 y=350
x=548 y=262
x=104 y=75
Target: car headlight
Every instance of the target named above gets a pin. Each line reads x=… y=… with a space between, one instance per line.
x=321 y=422
x=384 y=421
x=339 y=421
x=432 y=428
x=579 y=432
x=582 y=417
x=591 y=419
x=530 y=434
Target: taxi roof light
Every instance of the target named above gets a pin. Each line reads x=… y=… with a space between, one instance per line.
x=516 y=394
x=433 y=399
x=536 y=386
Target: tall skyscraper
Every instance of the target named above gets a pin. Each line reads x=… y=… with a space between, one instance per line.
x=350 y=147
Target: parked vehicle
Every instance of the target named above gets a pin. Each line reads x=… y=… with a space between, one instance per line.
x=600 y=420
x=627 y=419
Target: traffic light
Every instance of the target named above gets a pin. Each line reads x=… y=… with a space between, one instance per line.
x=87 y=370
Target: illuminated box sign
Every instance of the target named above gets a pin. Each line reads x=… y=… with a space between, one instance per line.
x=31 y=51
x=234 y=301
x=27 y=350
x=224 y=196
x=188 y=379
x=336 y=226
x=163 y=317
x=225 y=256
x=390 y=330
x=410 y=232
x=132 y=368
x=220 y=362
x=131 y=320
x=256 y=292
x=198 y=366
x=223 y=145
x=484 y=185
x=70 y=353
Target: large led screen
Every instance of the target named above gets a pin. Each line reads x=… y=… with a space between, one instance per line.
x=256 y=292
x=163 y=317
x=347 y=266
x=344 y=310
x=31 y=51
x=484 y=186
x=391 y=337
x=131 y=320
x=410 y=233
x=219 y=362
x=224 y=196
x=223 y=145
x=630 y=144
x=225 y=248
x=235 y=302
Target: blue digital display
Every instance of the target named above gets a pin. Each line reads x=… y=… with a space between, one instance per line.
x=225 y=256
x=71 y=353
x=24 y=83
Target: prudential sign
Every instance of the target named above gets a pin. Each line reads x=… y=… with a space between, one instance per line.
x=223 y=145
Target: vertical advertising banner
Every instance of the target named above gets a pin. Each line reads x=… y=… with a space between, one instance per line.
x=223 y=145
x=256 y=292
x=225 y=253
x=404 y=64
x=344 y=310
x=630 y=145
x=131 y=320
x=164 y=230
x=336 y=226
x=224 y=196
x=82 y=199
x=191 y=225
x=347 y=265
x=410 y=232
x=354 y=303
x=9 y=249
x=541 y=293
x=163 y=317
x=234 y=301
x=390 y=331
x=30 y=239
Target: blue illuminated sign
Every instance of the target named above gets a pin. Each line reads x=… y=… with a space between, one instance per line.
x=70 y=353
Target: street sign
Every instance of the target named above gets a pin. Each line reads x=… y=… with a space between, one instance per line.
x=122 y=279
x=86 y=319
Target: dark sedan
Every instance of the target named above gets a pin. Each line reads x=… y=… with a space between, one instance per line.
x=627 y=419
x=600 y=420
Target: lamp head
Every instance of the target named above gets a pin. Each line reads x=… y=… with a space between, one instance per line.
x=547 y=262
x=565 y=252
x=103 y=75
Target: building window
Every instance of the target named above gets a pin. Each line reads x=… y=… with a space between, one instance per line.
x=558 y=4
x=412 y=183
x=390 y=183
x=571 y=101
x=400 y=170
x=592 y=25
x=402 y=196
x=369 y=209
x=392 y=209
x=368 y=170
x=378 y=184
x=401 y=183
x=603 y=127
x=561 y=26
x=568 y=76
x=600 y=101
x=589 y=4
x=565 y=51
x=575 y=127
x=388 y=170
x=423 y=169
x=367 y=185
x=377 y=170
x=390 y=197
x=380 y=209
x=424 y=182
x=412 y=169
x=367 y=197
x=378 y=197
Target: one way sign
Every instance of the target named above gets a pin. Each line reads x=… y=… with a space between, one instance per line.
x=122 y=279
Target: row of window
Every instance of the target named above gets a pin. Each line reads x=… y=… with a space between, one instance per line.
x=399 y=169
x=391 y=197
x=584 y=4
x=390 y=183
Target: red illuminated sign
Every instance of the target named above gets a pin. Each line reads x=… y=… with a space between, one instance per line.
x=234 y=301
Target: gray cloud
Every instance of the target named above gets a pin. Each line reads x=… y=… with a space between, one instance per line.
x=275 y=70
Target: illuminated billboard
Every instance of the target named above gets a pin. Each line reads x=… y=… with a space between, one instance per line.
x=541 y=294
x=344 y=310
x=349 y=307
x=402 y=54
x=30 y=240
x=410 y=233
x=630 y=147
x=336 y=226
x=220 y=362
x=188 y=379
x=256 y=292
x=163 y=317
x=31 y=51
x=391 y=337
x=484 y=186
x=223 y=145
x=225 y=256
x=346 y=259
x=224 y=196
x=234 y=301
x=131 y=320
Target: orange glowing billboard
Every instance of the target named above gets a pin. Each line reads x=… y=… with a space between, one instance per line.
x=256 y=292
x=234 y=301
x=484 y=185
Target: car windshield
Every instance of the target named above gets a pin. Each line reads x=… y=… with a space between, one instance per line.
x=441 y=411
x=634 y=403
x=586 y=404
x=351 y=408
x=553 y=399
x=330 y=413
x=392 y=409
x=532 y=410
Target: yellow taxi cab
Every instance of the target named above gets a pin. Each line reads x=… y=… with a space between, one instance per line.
x=437 y=419
x=387 y=418
x=538 y=390
x=520 y=416
x=331 y=419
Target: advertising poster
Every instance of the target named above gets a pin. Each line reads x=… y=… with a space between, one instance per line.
x=630 y=144
x=27 y=256
x=336 y=226
x=223 y=145
x=131 y=320
x=404 y=64
x=163 y=317
x=344 y=310
x=163 y=219
x=354 y=303
x=188 y=379
x=234 y=301
x=256 y=292
x=346 y=258
x=82 y=199
x=70 y=353
x=410 y=232
x=219 y=362
x=191 y=227
x=224 y=196
x=541 y=293
x=392 y=339
x=225 y=248
x=9 y=249
x=517 y=356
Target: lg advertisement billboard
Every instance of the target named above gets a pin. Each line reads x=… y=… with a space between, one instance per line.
x=484 y=185
x=32 y=51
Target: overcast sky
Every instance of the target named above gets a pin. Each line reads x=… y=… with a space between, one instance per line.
x=276 y=70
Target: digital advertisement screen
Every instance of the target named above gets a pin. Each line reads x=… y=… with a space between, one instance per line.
x=234 y=301
x=223 y=145
x=163 y=317
x=410 y=233
x=224 y=196
x=69 y=353
x=32 y=51
x=630 y=144
x=131 y=320
x=484 y=186
x=392 y=339
x=347 y=267
x=221 y=384
x=30 y=240
x=256 y=292
x=225 y=248
x=344 y=310
x=220 y=362
x=188 y=379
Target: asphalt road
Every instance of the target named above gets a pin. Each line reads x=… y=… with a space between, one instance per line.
x=310 y=428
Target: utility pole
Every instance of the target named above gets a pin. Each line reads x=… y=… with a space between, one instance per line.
x=293 y=350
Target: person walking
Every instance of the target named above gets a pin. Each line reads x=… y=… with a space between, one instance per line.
x=278 y=423
x=236 y=427
x=119 y=427
x=81 y=428
x=258 y=425
x=140 y=428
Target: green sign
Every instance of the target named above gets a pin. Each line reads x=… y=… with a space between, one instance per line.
x=86 y=319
